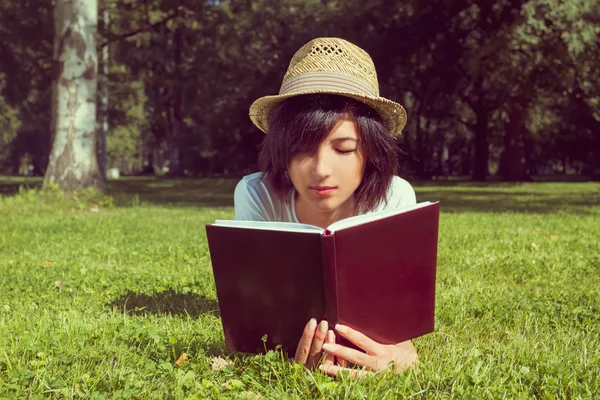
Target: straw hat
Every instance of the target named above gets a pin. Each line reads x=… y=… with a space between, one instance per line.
x=334 y=66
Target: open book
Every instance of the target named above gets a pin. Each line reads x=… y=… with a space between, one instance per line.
x=373 y=272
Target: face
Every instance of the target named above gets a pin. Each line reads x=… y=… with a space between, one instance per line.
x=326 y=180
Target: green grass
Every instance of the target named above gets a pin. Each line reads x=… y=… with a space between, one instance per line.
x=518 y=307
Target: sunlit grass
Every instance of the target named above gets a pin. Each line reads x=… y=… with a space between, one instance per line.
x=100 y=300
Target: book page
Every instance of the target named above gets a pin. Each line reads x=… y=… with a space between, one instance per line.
x=269 y=225
x=363 y=219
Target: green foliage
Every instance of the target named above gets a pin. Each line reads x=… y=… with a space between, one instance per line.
x=128 y=125
x=103 y=304
x=26 y=35
x=182 y=76
x=573 y=21
x=53 y=197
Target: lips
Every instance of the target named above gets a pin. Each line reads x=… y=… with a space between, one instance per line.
x=323 y=190
x=322 y=187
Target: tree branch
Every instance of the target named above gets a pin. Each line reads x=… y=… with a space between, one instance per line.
x=142 y=29
x=500 y=100
x=466 y=123
x=5 y=30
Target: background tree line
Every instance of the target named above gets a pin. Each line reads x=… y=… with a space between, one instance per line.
x=508 y=88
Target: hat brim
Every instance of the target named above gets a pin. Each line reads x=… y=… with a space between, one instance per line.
x=392 y=113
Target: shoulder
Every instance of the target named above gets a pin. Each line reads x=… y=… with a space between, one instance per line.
x=251 y=187
x=250 y=182
x=401 y=186
x=252 y=199
x=400 y=194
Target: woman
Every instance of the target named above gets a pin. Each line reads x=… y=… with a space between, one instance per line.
x=329 y=154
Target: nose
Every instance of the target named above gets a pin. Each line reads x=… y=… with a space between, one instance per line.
x=321 y=165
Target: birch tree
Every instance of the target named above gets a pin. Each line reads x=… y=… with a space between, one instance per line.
x=73 y=161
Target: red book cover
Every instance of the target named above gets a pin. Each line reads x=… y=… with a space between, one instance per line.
x=375 y=273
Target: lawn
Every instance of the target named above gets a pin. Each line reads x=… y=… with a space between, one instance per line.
x=101 y=299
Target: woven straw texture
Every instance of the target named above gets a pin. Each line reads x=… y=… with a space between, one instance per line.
x=334 y=55
x=335 y=66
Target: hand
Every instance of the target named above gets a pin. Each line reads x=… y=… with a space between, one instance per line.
x=310 y=346
x=377 y=356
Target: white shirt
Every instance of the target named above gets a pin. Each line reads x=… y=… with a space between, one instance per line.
x=254 y=202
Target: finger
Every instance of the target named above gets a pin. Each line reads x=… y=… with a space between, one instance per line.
x=335 y=370
x=359 y=339
x=303 y=348
x=316 y=349
x=342 y=363
x=329 y=358
x=346 y=353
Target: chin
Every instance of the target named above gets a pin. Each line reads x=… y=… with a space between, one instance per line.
x=326 y=205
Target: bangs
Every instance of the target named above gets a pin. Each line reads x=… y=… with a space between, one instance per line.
x=305 y=121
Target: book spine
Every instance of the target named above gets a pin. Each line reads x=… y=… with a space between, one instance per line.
x=330 y=277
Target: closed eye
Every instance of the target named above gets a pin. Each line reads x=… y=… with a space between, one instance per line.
x=346 y=152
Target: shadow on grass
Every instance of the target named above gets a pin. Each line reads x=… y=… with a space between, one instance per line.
x=128 y=191
x=172 y=303
x=166 y=303
x=207 y=192
x=454 y=195
x=10 y=185
x=530 y=201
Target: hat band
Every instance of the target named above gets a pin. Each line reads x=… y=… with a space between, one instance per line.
x=321 y=81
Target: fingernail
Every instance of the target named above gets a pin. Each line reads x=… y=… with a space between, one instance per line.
x=323 y=326
x=331 y=336
x=312 y=324
x=327 y=347
x=341 y=328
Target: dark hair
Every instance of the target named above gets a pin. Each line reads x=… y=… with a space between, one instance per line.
x=300 y=123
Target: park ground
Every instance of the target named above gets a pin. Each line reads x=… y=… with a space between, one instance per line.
x=113 y=297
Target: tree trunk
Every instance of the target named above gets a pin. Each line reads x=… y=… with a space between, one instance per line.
x=73 y=161
x=174 y=132
x=420 y=146
x=595 y=162
x=425 y=152
x=444 y=157
x=481 y=151
x=103 y=85
x=15 y=156
x=148 y=169
x=513 y=166
x=424 y=135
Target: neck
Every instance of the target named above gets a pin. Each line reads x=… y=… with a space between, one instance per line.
x=323 y=219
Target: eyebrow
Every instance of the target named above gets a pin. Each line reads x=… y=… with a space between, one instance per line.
x=341 y=139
